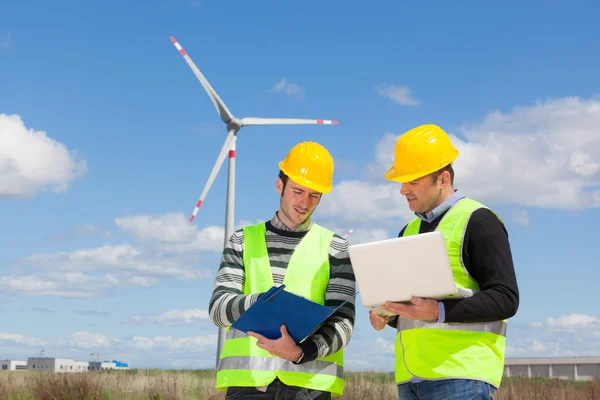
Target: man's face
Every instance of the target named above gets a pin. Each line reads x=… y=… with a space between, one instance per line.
x=423 y=194
x=297 y=202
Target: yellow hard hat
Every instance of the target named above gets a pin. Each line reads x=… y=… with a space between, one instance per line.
x=309 y=164
x=419 y=152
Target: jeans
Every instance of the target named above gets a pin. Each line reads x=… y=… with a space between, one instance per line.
x=277 y=390
x=447 y=389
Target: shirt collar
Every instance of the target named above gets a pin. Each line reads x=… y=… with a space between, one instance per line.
x=442 y=208
x=276 y=222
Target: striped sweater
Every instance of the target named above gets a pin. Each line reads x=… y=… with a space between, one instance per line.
x=228 y=301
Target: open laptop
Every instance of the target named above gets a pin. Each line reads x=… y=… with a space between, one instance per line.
x=399 y=268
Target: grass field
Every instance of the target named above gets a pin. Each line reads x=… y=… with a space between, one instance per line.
x=199 y=385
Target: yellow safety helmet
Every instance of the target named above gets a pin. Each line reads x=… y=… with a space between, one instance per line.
x=309 y=164
x=419 y=152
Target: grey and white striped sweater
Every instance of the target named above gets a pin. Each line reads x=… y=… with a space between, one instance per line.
x=228 y=301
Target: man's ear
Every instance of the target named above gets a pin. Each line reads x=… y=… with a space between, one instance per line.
x=445 y=179
x=279 y=186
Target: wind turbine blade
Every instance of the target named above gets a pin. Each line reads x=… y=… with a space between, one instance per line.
x=285 y=121
x=219 y=105
x=229 y=141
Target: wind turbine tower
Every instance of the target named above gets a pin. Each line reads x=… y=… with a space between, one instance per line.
x=233 y=125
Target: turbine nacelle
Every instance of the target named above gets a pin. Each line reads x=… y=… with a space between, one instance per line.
x=234 y=125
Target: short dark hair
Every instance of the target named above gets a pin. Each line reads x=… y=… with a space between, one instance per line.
x=437 y=173
x=284 y=178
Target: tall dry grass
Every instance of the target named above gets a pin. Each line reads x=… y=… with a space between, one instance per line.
x=199 y=385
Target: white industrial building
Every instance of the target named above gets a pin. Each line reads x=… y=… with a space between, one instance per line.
x=13 y=365
x=575 y=368
x=56 y=364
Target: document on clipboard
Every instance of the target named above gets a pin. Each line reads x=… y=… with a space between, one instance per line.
x=399 y=268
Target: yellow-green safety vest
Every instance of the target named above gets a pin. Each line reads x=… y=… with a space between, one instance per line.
x=242 y=362
x=433 y=351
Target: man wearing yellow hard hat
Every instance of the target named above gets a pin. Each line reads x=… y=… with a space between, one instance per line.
x=451 y=349
x=312 y=262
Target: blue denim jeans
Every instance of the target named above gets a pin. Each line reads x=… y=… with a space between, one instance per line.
x=446 y=389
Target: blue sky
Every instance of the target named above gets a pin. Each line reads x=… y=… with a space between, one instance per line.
x=107 y=138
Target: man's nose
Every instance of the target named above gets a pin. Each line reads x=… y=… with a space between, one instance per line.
x=404 y=189
x=304 y=200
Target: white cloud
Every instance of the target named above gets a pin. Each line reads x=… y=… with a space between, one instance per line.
x=89 y=340
x=184 y=343
x=56 y=284
x=172 y=318
x=374 y=353
x=112 y=258
x=363 y=234
x=138 y=351
x=290 y=89
x=21 y=339
x=31 y=162
x=569 y=335
x=88 y=272
x=172 y=233
x=538 y=346
x=363 y=202
x=398 y=94
x=542 y=155
x=143 y=281
x=167 y=248
x=81 y=230
x=521 y=218
x=574 y=322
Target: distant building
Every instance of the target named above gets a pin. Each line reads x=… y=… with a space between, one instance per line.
x=13 y=365
x=106 y=365
x=56 y=364
x=51 y=364
x=575 y=368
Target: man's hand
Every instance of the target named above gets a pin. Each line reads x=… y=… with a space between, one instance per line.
x=419 y=309
x=377 y=321
x=284 y=347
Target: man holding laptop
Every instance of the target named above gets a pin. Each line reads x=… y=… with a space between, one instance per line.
x=451 y=348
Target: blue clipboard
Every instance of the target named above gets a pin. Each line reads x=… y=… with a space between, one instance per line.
x=301 y=316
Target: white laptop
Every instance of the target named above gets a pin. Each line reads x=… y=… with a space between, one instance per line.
x=399 y=268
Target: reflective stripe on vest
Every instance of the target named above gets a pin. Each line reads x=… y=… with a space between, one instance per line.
x=280 y=364
x=242 y=362
x=433 y=351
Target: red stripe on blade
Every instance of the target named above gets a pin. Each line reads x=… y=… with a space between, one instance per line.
x=231 y=153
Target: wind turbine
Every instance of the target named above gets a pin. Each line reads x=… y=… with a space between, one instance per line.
x=233 y=127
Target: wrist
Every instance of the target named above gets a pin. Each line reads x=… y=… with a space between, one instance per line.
x=298 y=355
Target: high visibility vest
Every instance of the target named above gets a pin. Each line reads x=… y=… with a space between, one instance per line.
x=433 y=351
x=242 y=362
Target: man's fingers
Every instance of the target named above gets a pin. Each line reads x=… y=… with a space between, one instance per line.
x=284 y=331
x=258 y=337
x=395 y=308
x=417 y=301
